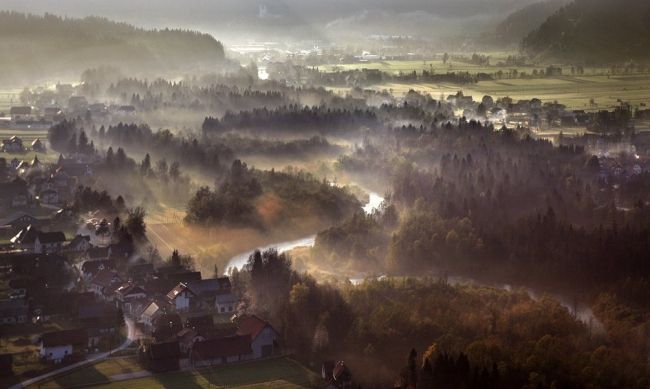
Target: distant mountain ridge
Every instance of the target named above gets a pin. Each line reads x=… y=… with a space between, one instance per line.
x=34 y=46
x=594 y=31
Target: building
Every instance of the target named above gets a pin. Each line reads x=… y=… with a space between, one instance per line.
x=13 y=145
x=104 y=284
x=264 y=340
x=207 y=294
x=79 y=243
x=49 y=196
x=58 y=345
x=20 y=113
x=14 y=311
x=221 y=351
x=37 y=145
x=150 y=314
x=49 y=242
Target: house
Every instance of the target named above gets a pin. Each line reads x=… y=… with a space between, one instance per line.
x=182 y=298
x=58 y=345
x=265 y=341
x=20 y=113
x=19 y=220
x=97 y=253
x=49 y=196
x=150 y=314
x=79 y=243
x=225 y=303
x=37 y=145
x=14 y=311
x=337 y=375
x=52 y=113
x=202 y=294
x=49 y=242
x=130 y=298
x=13 y=145
x=104 y=283
x=221 y=351
x=100 y=317
x=163 y=356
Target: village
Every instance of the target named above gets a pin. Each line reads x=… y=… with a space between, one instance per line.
x=74 y=291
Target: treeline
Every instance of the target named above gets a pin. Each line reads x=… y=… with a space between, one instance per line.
x=462 y=336
x=50 y=44
x=304 y=75
x=290 y=119
x=263 y=199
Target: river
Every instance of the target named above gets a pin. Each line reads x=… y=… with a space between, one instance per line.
x=581 y=311
x=239 y=260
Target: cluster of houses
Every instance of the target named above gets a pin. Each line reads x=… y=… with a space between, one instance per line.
x=180 y=318
x=28 y=184
x=50 y=107
x=16 y=145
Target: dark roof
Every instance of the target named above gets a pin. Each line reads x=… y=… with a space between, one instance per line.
x=210 y=287
x=141 y=269
x=222 y=347
x=165 y=350
x=129 y=288
x=51 y=237
x=104 y=278
x=25 y=236
x=76 y=337
x=251 y=326
x=21 y=110
x=92 y=267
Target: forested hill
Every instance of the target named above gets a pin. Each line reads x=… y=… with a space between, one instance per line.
x=594 y=31
x=33 y=46
x=524 y=21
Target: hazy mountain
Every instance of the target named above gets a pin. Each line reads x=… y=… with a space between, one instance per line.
x=524 y=21
x=34 y=46
x=594 y=31
x=239 y=20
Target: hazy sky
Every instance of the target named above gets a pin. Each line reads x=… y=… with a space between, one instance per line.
x=232 y=19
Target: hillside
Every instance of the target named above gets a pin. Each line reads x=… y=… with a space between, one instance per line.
x=63 y=47
x=594 y=31
x=524 y=21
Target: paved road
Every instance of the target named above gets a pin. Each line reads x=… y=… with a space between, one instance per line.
x=92 y=359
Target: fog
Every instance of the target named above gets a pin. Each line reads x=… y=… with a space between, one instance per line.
x=240 y=21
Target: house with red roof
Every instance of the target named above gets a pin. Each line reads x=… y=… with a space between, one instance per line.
x=264 y=339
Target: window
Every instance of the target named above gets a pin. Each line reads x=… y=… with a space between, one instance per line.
x=223 y=309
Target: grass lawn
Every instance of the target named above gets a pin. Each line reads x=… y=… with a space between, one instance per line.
x=276 y=373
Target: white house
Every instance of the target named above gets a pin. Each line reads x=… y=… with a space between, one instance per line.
x=56 y=346
x=150 y=314
x=181 y=297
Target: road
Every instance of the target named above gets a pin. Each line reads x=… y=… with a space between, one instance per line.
x=132 y=334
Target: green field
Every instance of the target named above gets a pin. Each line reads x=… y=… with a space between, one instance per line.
x=276 y=373
x=575 y=91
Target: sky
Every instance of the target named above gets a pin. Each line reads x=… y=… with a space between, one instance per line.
x=239 y=20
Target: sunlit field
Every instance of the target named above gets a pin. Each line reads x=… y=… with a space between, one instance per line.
x=276 y=373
